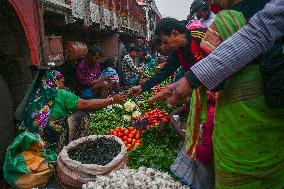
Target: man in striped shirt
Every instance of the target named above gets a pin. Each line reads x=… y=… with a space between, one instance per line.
x=264 y=28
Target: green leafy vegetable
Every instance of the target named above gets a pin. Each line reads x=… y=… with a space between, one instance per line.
x=158 y=152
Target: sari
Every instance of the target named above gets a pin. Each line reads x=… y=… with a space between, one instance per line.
x=248 y=136
x=47 y=110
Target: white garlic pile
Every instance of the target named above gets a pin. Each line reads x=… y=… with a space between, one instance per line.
x=143 y=178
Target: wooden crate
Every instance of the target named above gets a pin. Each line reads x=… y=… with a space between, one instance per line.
x=54 y=49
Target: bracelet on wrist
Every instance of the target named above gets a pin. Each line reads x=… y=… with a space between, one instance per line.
x=111 y=100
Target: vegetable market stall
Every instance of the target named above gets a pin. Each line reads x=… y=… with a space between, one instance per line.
x=136 y=123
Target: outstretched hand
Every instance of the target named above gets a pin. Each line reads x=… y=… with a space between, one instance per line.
x=136 y=90
x=118 y=98
x=173 y=93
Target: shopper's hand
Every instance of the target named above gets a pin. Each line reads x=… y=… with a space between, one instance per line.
x=173 y=93
x=177 y=125
x=136 y=90
x=118 y=98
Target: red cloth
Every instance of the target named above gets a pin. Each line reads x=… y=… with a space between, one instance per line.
x=215 y=8
x=196 y=52
x=204 y=151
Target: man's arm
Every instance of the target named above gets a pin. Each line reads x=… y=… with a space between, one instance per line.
x=258 y=36
x=172 y=65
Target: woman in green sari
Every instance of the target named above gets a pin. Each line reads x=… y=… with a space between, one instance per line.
x=49 y=105
x=248 y=136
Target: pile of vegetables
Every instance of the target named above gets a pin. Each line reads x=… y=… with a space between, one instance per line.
x=135 y=122
x=104 y=120
x=130 y=136
x=145 y=178
x=101 y=151
x=154 y=116
x=156 y=151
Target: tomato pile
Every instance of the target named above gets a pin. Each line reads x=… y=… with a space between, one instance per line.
x=130 y=136
x=154 y=116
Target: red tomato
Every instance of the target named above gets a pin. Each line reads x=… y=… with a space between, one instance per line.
x=137 y=136
x=134 y=132
x=115 y=133
x=126 y=132
x=166 y=118
x=137 y=144
x=129 y=140
x=130 y=135
x=133 y=142
x=125 y=138
x=131 y=128
x=129 y=146
x=120 y=135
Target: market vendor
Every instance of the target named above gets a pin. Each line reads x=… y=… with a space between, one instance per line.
x=185 y=50
x=49 y=105
x=88 y=72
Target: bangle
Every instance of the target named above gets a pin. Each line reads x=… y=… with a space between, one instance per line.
x=111 y=100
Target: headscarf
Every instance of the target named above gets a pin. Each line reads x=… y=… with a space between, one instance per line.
x=226 y=23
x=40 y=101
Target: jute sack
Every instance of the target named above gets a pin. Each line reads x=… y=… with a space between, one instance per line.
x=74 y=174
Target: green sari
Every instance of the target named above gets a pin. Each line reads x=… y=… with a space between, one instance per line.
x=47 y=111
x=248 y=137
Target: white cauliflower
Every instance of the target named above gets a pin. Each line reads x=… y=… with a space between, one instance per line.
x=126 y=117
x=129 y=106
x=136 y=114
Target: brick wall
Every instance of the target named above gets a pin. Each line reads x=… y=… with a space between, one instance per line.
x=109 y=45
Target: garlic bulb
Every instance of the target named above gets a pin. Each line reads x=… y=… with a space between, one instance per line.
x=143 y=178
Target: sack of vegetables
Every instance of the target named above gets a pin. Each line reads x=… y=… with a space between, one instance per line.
x=27 y=163
x=82 y=160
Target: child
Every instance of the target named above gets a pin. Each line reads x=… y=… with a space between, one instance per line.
x=109 y=73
